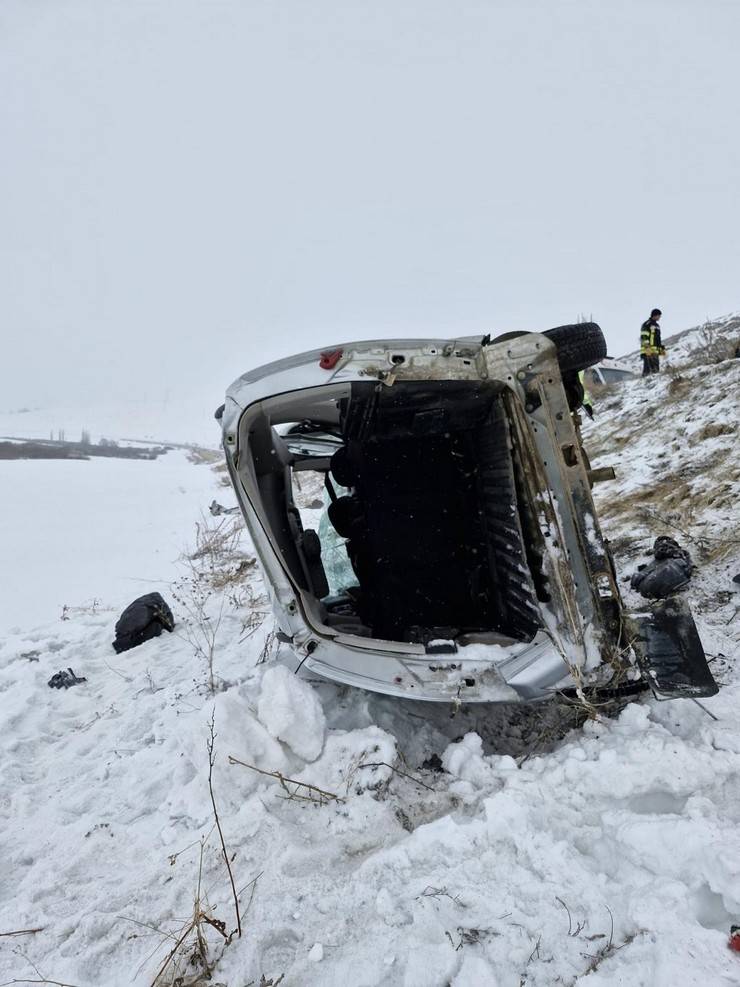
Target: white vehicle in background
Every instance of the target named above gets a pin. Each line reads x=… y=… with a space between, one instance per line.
x=474 y=565
x=609 y=371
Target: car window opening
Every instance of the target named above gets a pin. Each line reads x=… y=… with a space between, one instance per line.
x=428 y=529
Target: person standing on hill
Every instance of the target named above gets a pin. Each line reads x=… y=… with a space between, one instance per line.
x=651 y=346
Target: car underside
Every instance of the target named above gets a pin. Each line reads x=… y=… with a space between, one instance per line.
x=467 y=563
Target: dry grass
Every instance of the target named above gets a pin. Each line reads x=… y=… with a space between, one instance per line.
x=233 y=574
x=218 y=558
x=218 y=574
x=667 y=493
x=200 y=455
x=713 y=345
x=195 y=948
x=189 y=961
x=713 y=430
x=684 y=491
x=200 y=620
x=217 y=541
x=678 y=385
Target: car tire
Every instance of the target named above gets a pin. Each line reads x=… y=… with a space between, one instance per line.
x=579 y=346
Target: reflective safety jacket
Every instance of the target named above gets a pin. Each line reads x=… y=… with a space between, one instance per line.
x=650 y=342
x=587 y=399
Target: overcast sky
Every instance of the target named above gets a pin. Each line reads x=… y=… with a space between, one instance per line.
x=190 y=189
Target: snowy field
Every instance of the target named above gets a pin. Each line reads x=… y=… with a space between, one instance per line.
x=532 y=852
x=76 y=531
x=149 y=418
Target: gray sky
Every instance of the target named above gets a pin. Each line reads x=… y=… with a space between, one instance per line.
x=190 y=189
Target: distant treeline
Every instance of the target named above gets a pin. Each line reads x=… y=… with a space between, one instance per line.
x=55 y=449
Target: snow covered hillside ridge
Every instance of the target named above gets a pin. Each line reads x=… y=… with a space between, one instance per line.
x=673 y=441
x=376 y=842
x=714 y=340
x=711 y=342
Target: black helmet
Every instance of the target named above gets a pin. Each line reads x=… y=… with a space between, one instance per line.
x=655 y=311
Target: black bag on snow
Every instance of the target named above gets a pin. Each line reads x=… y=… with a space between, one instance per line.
x=669 y=573
x=660 y=579
x=666 y=547
x=141 y=620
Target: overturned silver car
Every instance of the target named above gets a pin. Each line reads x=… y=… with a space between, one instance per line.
x=471 y=563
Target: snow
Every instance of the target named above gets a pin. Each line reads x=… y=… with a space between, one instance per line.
x=354 y=761
x=76 y=531
x=544 y=851
x=465 y=760
x=145 y=416
x=316 y=953
x=291 y=712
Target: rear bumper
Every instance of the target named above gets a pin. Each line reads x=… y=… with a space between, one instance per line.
x=474 y=674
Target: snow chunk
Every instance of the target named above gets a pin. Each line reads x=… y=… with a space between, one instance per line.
x=464 y=760
x=339 y=768
x=256 y=745
x=291 y=711
x=316 y=953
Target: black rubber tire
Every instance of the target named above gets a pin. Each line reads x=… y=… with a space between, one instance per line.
x=579 y=346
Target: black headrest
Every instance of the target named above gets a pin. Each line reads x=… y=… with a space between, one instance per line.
x=342 y=468
x=345 y=514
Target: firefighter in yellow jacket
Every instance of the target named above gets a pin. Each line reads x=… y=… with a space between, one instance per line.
x=651 y=346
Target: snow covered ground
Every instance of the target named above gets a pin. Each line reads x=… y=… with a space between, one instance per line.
x=76 y=531
x=542 y=854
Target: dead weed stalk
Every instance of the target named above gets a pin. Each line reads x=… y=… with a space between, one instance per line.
x=300 y=792
x=217 y=543
x=709 y=547
x=271 y=643
x=217 y=574
x=576 y=673
x=211 y=744
x=191 y=959
x=40 y=978
x=403 y=774
x=431 y=892
x=189 y=962
x=200 y=626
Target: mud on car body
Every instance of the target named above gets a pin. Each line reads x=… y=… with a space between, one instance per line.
x=458 y=493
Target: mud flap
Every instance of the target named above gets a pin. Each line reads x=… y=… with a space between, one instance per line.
x=670 y=652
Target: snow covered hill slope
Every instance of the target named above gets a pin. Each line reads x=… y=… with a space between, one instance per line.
x=545 y=852
x=713 y=341
x=674 y=441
